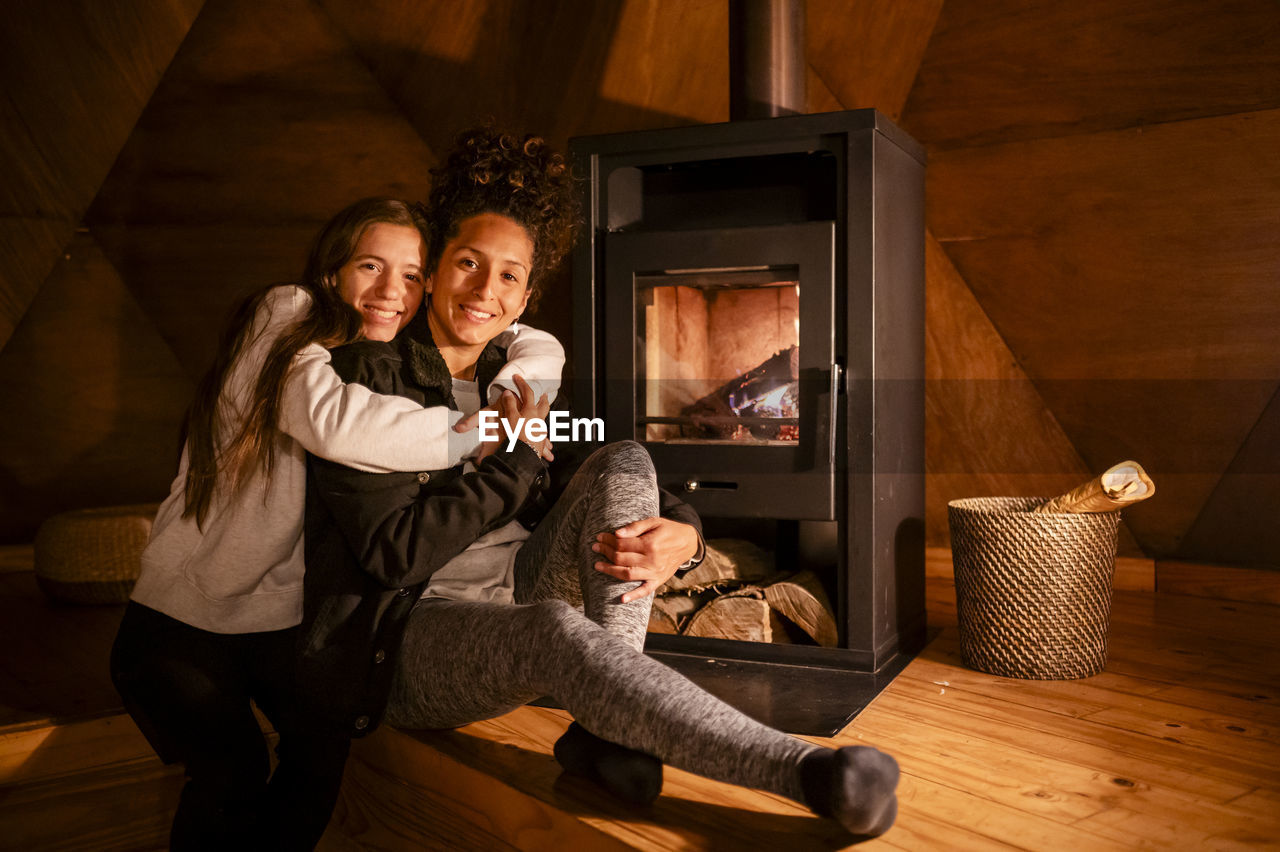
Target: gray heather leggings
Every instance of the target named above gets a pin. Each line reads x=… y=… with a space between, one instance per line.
x=462 y=662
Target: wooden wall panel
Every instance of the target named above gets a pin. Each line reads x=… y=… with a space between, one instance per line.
x=559 y=68
x=94 y=399
x=867 y=53
x=251 y=128
x=985 y=417
x=188 y=278
x=1001 y=70
x=77 y=74
x=1131 y=254
x=1133 y=274
x=818 y=98
x=987 y=431
x=1238 y=523
x=666 y=58
x=1173 y=431
x=1224 y=582
x=29 y=248
x=249 y=144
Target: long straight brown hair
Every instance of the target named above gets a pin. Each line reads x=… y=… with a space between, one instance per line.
x=329 y=322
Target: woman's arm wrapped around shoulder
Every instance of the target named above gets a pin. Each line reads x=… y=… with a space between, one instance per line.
x=347 y=423
x=341 y=421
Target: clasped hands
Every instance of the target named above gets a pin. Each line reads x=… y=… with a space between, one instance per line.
x=516 y=411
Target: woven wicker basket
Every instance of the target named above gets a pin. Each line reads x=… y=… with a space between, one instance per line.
x=92 y=556
x=1033 y=591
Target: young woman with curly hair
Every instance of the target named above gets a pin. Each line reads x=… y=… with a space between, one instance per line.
x=429 y=599
x=213 y=620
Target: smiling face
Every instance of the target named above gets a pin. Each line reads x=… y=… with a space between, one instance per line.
x=383 y=278
x=479 y=287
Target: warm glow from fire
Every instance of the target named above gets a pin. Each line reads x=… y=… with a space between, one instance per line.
x=778 y=402
x=719 y=348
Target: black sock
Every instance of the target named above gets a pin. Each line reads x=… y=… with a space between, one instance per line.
x=631 y=775
x=854 y=785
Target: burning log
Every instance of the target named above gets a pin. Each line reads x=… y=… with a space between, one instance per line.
x=769 y=390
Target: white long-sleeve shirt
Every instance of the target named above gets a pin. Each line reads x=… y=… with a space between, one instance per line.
x=243 y=572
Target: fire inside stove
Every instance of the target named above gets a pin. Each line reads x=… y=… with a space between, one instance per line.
x=720 y=353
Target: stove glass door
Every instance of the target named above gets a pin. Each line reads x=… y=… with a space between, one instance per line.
x=718 y=357
x=727 y=374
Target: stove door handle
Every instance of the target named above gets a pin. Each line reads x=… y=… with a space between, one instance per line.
x=833 y=408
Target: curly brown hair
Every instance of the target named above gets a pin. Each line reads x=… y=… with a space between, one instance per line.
x=520 y=177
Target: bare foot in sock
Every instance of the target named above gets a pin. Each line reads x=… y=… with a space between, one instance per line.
x=854 y=785
x=631 y=775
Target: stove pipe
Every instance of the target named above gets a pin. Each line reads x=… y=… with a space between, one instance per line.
x=766 y=58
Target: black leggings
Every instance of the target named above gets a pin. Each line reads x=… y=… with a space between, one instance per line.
x=189 y=692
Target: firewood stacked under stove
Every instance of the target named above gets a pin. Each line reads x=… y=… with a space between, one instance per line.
x=736 y=593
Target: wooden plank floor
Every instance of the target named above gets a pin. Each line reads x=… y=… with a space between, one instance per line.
x=1176 y=745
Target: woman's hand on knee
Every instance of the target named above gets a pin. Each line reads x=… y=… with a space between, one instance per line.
x=649 y=550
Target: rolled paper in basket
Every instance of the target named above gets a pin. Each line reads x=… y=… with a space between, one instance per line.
x=1120 y=486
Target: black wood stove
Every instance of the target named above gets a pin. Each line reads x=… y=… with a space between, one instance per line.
x=749 y=304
